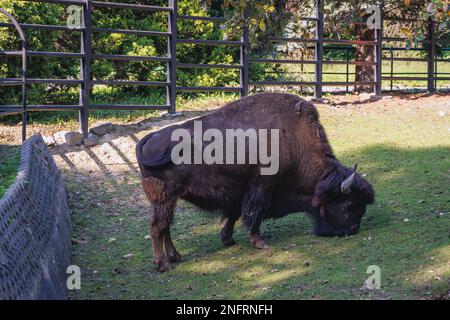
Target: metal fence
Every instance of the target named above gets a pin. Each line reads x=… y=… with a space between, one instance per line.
x=86 y=57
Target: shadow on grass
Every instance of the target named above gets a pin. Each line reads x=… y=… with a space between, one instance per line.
x=404 y=234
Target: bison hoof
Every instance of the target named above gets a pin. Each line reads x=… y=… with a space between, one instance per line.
x=174 y=257
x=162 y=265
x=259 y=244
x=228 y=242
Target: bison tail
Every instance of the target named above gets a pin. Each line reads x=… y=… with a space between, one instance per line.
x=152 y=154
x=256 y=203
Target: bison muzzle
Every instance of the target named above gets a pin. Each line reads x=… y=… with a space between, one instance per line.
x=309 y=177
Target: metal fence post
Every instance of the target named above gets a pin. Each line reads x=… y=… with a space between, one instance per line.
x=85 y=69
x=319 y=50
x=244 y=52
x=379 y=52
x=431 y=55
x=392 y=68
x=347 y=59
x=172 y=53
x=24 y=87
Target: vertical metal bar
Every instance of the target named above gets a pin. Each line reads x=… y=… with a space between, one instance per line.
x=319 y=50
x=431 y=54
x=85 y=69
x=302 y=69
x=24 y=90
x=435 y=74
x=244 y=52
x=379 y=52
x=172 y=53
x=392 y=68
x=346 y=68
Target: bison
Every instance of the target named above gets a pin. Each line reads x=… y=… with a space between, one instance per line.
x=309 y=178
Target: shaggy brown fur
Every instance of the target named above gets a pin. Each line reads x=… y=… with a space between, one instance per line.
x=308 y=179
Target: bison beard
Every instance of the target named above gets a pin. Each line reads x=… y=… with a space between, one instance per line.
x=310 y=179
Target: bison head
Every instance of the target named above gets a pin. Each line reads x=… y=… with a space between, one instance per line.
x=340 y=201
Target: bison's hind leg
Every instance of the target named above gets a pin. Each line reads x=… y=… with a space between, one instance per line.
x=162 y=217
x=171 y=252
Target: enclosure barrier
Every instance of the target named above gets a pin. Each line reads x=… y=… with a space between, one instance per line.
x=86 y=56
x=35 y=229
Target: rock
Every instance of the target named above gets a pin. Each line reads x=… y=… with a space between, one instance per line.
x=49 y=140
x=315 y=100
x=172 y=115
x=102 y=129
x=147 y=124
x=128 y=256
x=71 y=138
x=89 y=141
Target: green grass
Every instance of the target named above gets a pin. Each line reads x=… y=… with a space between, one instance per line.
x=405 y=153
x=9 y=163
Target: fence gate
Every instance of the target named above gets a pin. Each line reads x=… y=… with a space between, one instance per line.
x=86 y=57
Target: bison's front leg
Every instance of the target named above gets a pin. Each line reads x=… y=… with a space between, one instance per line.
x=256 y=239
x=226 y=235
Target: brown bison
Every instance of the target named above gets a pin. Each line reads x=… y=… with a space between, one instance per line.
x=309 y=177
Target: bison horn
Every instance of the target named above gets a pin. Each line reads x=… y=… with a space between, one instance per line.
x=354 y=167
x=346 y=185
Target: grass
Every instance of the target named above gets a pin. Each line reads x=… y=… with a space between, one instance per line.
x=405 y=153
x=9 y=163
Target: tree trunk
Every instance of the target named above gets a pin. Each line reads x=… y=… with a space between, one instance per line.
x=364 y=53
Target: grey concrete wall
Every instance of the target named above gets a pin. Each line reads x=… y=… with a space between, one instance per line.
x=35 y=229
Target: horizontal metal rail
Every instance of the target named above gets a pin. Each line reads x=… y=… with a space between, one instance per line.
x=281 y=61
x=46 y=107
x=211 y=42
x=141 y=7
x=404 y=59
x=354 y=62
x=129 y=58
x=209 y=89
x=212 y=19
x=334 y=41
x=134 y=32
x=11 y=82
x=65 y=2
x=402 y=19
x=283 y=83
x=128 y=107
x=42 y=54
x=129 y=82
x=405 y=78
x=208 y=66
x=41 y=26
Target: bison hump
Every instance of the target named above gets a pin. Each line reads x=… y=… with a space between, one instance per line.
x=153 y=151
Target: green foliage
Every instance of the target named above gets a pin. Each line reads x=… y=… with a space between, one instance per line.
x=9 y=162
x=134 y=45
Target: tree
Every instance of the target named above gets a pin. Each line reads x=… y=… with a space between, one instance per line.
x=270 y=18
